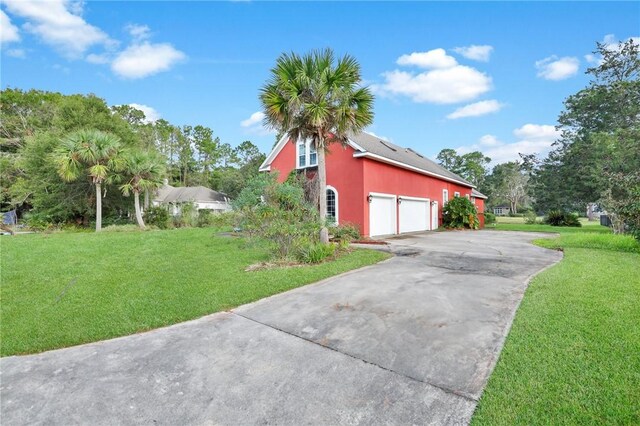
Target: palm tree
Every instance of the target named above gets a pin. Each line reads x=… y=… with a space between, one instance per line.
x=145 y=172
x=94 y=152
x=317 y=98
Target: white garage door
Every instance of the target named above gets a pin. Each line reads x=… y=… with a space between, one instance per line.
x=382 y=214
x=414 y=214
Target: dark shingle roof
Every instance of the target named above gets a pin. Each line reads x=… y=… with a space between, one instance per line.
x=170 y=194
x=377 y=146
x=478 y=194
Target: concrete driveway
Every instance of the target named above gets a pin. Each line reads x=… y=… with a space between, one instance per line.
x=408 y=341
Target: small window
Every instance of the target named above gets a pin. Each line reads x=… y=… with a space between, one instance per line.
x=332 y=205
x=445 y=196
x=456 y=194
x=306 y=154
x=313 y=154
x=302 y=154
x=468 y=197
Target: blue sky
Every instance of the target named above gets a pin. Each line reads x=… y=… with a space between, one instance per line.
x=489 y=76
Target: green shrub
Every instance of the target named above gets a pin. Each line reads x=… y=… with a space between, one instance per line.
x=278 y=214
x=560 y=218
x=346 y=232
x=315 y=252
x=530 y=218
x=157 y=216
x=460 y=212
x=121 y=228
x=205 y=218
x=38 y=222
x=489 y=218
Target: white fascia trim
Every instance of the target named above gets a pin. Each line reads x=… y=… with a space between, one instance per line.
x=266 y=164
x=408 y=167
x=355 y=146
x=382 y=195
x=404 y=197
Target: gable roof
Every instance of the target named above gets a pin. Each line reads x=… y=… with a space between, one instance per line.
x=375 y=148
x=478 y=194
x=185 y=194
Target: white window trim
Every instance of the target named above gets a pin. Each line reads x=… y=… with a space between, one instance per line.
x=445 y=196
x=456 y=194
x=307 y=155
x=335 y=191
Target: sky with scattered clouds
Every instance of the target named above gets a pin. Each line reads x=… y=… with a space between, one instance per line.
x=470 y=76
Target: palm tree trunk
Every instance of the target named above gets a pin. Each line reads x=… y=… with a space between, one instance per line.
x=146 y=199
x=98 y=207
x=322 y=184
x=136 y=202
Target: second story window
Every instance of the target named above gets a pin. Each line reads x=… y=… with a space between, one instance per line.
x=307 y=156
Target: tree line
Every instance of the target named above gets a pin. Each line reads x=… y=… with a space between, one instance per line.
x=596 y=159
x=38 y=127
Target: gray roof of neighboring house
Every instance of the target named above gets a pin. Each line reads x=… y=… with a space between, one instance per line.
x=478 y=194
x=377 y=146
x=171 y=194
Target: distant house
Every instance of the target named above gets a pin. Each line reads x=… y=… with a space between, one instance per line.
x=502 y=210
x=202 y=197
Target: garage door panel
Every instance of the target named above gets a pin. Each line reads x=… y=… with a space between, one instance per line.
x=414 y=215
x=382 y=215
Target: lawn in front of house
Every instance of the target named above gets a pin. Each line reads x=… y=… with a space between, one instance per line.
x=64 y=289
x=573 y=353
x=506 y=223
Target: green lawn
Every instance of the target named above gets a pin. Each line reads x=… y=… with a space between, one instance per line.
x=505 y=223
x=573 y=353
x=65 y=289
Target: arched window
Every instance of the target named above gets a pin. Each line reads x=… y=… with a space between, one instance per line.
x=332 y=204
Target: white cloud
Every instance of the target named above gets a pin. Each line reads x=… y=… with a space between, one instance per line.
x=611 y=43
x=440 y=86
x=530 y=139
x=150 y=114
x=8 y=32
x=475 y=52
x=254 y=125
x=554 y=68
x=98 y=58
x=59 y=23
x=145 y=59
x=138 y=32
x=476 y=109
x=17 y=53
x=436 y=58
x=255 y=118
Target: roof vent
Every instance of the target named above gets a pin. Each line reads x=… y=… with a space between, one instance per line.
x=409 y=149
x=388 y=146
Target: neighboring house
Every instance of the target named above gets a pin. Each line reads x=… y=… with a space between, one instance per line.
x=502 y=210
x=381 y=187
x=203 y=198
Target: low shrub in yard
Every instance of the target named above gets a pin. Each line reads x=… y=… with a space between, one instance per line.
x=460 y=212
x=158 y=217
x=530 y=218
x=345 y=232
x=489 y=218
x=560 y=218
x=315 y=252
x=278 y=214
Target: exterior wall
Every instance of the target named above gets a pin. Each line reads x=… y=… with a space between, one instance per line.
x=388 y=179
x=354 y=178
x=479 y=202
x=344 y=173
